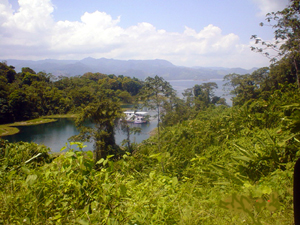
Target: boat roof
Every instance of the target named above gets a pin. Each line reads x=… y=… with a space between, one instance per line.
x=127 y=112
x=141 y=113
x=137 y=113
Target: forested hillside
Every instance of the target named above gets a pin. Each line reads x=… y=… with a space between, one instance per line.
x=208 y=164
x=137 y=68
x=27 y=95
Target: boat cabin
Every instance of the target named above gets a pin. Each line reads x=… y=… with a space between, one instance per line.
x=136 y=117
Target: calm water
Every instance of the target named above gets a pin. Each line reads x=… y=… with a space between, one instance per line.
x=55 y=135
x=181 y=85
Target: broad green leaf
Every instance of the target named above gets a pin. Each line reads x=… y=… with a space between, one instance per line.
x=109 y=156
x=69 y=154
x=174 y=181
x=243 y=158
x=266 y=189
x=90 y=154
x=242 y=150
x=63 y=148
x=31 y=179
x=48 y=202
x=83 y=222
x=25 y=170
x=57 y=217
x=151 y=174
x=100 y=161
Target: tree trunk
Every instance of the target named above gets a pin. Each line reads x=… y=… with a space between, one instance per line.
x=97 y=152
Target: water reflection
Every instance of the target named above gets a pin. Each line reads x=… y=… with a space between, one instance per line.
x=55 y=135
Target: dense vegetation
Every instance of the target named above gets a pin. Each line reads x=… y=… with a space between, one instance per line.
x=27 y=95
x=209 y=164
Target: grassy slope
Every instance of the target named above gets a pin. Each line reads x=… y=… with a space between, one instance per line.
x=226 y=166
x=196 y=178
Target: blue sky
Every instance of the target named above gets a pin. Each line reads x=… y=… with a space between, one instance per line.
x=186 y=33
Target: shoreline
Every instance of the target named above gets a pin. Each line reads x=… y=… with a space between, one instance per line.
x=11 y=128
x=153 y=132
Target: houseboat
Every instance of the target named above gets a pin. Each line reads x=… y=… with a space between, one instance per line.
x=136 y=117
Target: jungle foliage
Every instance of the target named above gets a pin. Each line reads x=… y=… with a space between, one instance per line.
x=221 y=165
x=27 y=95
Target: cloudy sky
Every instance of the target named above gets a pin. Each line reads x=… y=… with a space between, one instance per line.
x=184 y=32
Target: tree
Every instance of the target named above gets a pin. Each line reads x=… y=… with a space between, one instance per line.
x=84 y=95
x=188 y=97
x=249 y=86
x=155 y=92
x=21 y=106
x=203 y=94
x=181 y=110
x=128 y=130
x=8 y=72
x=131 y=86
x=104 y=115
x=125 y=97
x=28 y=70
x=287 y=35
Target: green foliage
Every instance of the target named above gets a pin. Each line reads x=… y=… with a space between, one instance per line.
x=219 y=165
x=104 y=114
x=286 y=24
x=13 y=155
x=204 y=94
x=210 y=164
x=219 y=168
x=157 y=94
x=199 y=98
x=28 y=94
x=249 y=86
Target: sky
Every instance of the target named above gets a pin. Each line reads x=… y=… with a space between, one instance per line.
x=206 y=33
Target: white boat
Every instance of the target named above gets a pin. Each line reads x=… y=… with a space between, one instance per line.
x=136 y=117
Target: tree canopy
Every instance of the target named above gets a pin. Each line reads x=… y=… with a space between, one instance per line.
x=27 y=94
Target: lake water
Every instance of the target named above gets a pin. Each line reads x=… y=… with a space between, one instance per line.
x=181 y=85
x=55 y=135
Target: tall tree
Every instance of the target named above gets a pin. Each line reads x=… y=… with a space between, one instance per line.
x=287 y=35
x=104 y=115
x=249 y=86
x=155 y=92
x=204 y=94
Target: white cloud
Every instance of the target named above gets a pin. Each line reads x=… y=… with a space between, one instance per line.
x=95 y=31
x=268 y=6
x=32 y=33
x=5 y=11
x=33 y=15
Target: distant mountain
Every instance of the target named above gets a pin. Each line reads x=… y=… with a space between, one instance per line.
x=133 y=68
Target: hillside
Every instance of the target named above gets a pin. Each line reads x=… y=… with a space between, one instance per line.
x=133 y=68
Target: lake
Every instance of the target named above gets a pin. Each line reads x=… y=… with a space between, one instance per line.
x=55 y=135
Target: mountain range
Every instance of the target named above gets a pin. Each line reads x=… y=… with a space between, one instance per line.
x=133 y=68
